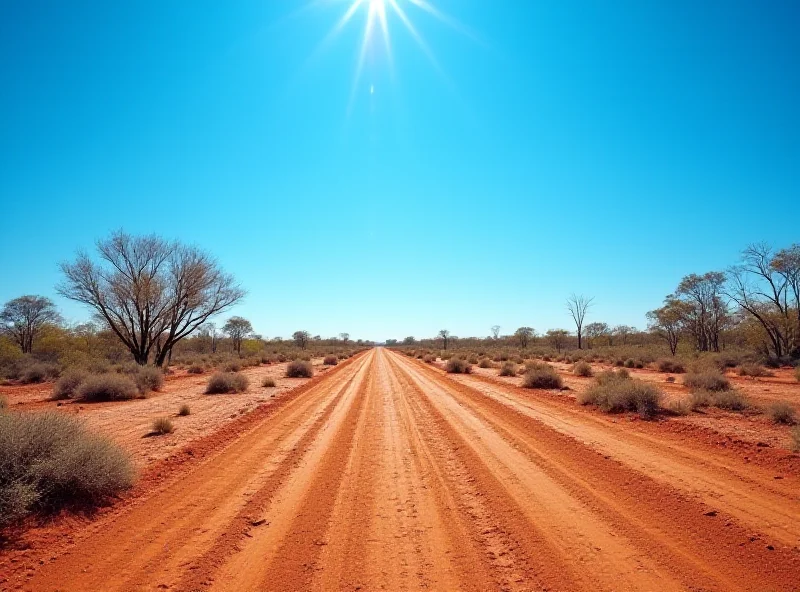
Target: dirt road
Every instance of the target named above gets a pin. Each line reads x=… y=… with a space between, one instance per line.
x=387 y=474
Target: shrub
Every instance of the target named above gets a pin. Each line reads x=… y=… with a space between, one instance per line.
x=508 y=369
x=184 y=410
x=226 y=382
x=680 y=406
x=268 y=382
x=36 y=373
x=428 y=359
x=541 y=376
x=330 y=360
x=233 y=367
x=707 y=380
x=582 y=369
x=472 y=359
x=485 y=363
x=195 y=369
x=149 y=378
x=67 y=386
x=614 y=393
x=782 y=413
x=49 y=461
x=728 y=400
x=458 y=366
x=753 y=370
x=107 y=387
x=670 y=366
x=300 y=369
x=162 y=425
x=630 y=363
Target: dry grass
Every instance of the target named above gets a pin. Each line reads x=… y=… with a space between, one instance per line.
x=67 y=386
x=508 y=369
x=458 y=366
x=184 y=410
x=3 y=403
x=753 y=370
x=48 y=461
x=707 y=380
x=299 y=369
x=429 y=359
x=670 y=366
x=149 y=378
x=268 y=382
x=729 y=400
x=195 y=369
x=582 y=369
x=107 y=387
x=782 y=413
x=162 y=426
x=614 y=392
x=485 y=363
x=226 y=382
x=541 y=376
x=330 y=361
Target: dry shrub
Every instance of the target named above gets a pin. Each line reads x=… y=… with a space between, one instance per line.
x=485 y=363
x=429 y=359
x=107 y=387
x=541 y=376
x=226 y=382
x=49 y=461
x=268 y=382
x=729 y=400
x=38 y=372
x=630 y=363
x=614 y=392
x=195 y=369
x=680 y=406
x=67 y=386
x=162 y=426
x=670 y=366
x=184 y=410
x=330 y=360
x=149 y=378
x=508 y=369
x=300 y=369
x=753 y=370
x=582 y=369
x=458 y=366
x=233 y=366
x=707 y=380
x=782 y=413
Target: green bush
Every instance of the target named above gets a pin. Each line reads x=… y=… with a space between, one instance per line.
x=614 y=393
x=707 y=380
x=670 y=366
x=107 y=387
x=782 y=413
x=508 y=369
x=300 y=369
x=330 y=361
x=226 y=382
x=582 y=369
x=67 y=386
x=48 y=461
x=458 y=366
x=541 y=376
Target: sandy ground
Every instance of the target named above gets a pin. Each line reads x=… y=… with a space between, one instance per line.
x=388 y=474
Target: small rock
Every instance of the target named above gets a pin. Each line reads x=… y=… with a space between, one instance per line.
x=258 y=522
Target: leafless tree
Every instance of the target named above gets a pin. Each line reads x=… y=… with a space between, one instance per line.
x=24 y=318
x=557 y=338
x=495 y=332
x=151 y=293
x=301 y=338
x=524 y=336
x=577 y=307
x=767 y=286
x=345 y=337
x=444 y=335
x=209 y=331
x=237 y=328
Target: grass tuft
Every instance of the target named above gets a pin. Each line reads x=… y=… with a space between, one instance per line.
x=614 y=392
x=582 y=369
x=226 y=382
x=458 y=366
x=782 y=413
x=300 y=369
x=541 y=376
x=162 y=426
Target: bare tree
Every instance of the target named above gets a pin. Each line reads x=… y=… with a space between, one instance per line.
x=345 y=337
x=151 y=293
x=524 y=336
x=766 y=285
x=301 y=338
x=444 y=335
x=577 y=307
x=557 y=338
x=209 y=331
x=237 y=328
x=24 y=318
x=495 y=332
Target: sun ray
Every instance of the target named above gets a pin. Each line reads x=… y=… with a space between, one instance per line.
x=415 y=34
x=370 y=26
x=446 y=19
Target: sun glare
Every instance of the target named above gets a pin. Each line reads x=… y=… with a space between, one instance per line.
x=377 y=24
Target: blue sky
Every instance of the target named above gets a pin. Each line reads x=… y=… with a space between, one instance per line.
x=607 y=148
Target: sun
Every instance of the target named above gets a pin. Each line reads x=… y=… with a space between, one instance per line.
x=377 y=24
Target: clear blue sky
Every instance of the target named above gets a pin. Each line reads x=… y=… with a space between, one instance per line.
x=603 y=147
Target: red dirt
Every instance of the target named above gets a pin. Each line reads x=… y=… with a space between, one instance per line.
x=385 y=473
